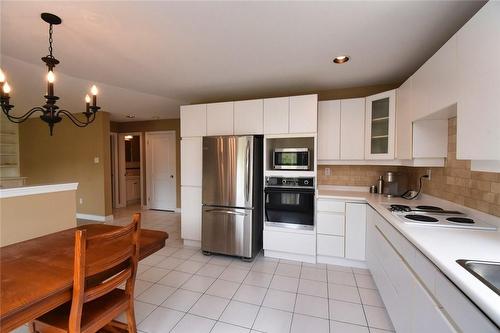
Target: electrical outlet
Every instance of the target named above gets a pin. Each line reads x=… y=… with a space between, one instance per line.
x=328 y=171
x=429 y=172
x=81 y=201
x=96 y=160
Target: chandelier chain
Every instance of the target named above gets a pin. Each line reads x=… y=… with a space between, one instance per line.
x=50 y=41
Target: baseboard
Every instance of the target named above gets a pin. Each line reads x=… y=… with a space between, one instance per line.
x=290 y=256
x=99 y=218
x=341 y=261
x=192 y=243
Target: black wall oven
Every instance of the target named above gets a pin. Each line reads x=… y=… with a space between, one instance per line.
x=289 y=202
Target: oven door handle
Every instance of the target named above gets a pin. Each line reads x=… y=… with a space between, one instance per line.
x=268 y=190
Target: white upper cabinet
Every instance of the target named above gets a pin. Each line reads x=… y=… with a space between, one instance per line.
x=404 y=118
x=352 y=129
x=191 y=161
x=380 y=126
x=478 y=107
x=193 y=120
x=276 y=115
x=430 y=138
x=329 y=130
x=220 y=118
x=303 y=114
x=421 y=91
x=443 y=66
x=249 y=117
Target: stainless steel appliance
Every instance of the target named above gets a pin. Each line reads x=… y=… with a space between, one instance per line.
x=289 y=202
x=291 y=159
x=437 y=217
x=395 y=184
x=232 y=215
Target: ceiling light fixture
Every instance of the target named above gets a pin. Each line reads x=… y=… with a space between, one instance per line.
x=341 y=59
x=130 y=116
x=51 y=114
x=128 y=137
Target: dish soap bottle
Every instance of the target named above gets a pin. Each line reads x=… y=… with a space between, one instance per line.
x=380 y=185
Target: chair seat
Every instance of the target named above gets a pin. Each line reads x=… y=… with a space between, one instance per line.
x=95 y=314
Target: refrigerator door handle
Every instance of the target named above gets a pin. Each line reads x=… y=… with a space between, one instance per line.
x=225 y=211
x=247 y=166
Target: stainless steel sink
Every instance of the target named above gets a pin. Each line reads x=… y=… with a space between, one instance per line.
x=487 y=272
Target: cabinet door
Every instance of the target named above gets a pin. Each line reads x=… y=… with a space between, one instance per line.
x=404 y=119
x=421 y=86
x=430 y=138
x=276 y=115
x=355 y=230
x=330 y=245
x=329 y=130
x=220 y=118
x=191 y=161
x=193 y=120
x=478 y=107
x=380 y=126
x=352 y=129
x=248 y=117
x=304 y=114
x=191 y=213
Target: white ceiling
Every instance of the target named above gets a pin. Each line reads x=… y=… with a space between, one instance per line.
x=148 y=57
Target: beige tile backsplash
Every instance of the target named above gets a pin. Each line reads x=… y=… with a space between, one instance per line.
x=454 y=182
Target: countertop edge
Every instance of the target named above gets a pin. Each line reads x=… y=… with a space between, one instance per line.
x=33 y=190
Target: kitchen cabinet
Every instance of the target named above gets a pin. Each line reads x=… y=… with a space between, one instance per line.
x=220 y=118
x=355 y=228
x=133 y=188
x=276 y=115
x=289 y=244
x=249 y=117
x=329 y=127
x=430 y=139
x=330 y=245
x=380 y=126
x=191 y=161
x=191 y=213
x=303 y=114
x=478 y=105
x=193 y=120
x=352 y=129
x=404 y=119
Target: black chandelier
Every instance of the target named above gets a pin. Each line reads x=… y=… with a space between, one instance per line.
x=51 y=114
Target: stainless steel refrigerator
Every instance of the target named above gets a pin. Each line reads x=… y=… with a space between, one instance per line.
x=232 y=218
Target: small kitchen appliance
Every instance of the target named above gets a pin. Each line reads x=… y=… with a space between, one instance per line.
x=291 y=159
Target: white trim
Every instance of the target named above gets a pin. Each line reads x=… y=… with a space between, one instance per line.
x=341 y=261
x=115 y=170
x=32 y=190
x=290 y=256
x=147 y=136
x=417 y=162
x=192 y=243
x=122 y=201
x=91 y=217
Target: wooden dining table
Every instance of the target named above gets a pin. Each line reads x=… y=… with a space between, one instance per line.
x=37 y=274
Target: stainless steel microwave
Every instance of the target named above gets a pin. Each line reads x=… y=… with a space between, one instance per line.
x=291 y=159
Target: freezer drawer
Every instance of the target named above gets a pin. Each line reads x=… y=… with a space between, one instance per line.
x=227 y=231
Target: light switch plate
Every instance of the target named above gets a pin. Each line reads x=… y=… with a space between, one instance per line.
x=96 y=160
x=328 y=171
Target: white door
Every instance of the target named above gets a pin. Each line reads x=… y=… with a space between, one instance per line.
x=160 y=151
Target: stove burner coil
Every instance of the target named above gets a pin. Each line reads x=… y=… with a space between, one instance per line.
x=423 y=207
x=464 y=220
x=421 y=218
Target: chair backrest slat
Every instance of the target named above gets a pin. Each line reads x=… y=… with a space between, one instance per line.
x=111 y=257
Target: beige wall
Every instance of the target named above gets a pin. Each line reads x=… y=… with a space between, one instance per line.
x=31 y=216
x=67 y=157
x=455 y=182
x=154 y=126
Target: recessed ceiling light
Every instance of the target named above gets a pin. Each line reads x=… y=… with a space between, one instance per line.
x=341 y=59
x=128 y=137
x=131 y=116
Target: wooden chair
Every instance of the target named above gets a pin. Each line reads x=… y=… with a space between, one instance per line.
x=102 y=263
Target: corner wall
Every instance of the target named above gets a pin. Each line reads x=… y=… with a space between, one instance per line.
x=68 y=156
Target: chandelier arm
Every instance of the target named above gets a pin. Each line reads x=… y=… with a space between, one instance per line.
x=22 y=118
x=75 y=120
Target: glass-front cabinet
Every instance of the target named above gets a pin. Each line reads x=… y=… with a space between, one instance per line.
x=380 y=126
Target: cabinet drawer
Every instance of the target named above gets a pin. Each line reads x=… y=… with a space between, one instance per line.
x=330 y=224
x=290 y=242
x=328 y=205
x=331 y=245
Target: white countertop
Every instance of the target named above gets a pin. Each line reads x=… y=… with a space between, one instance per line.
x=443 y=246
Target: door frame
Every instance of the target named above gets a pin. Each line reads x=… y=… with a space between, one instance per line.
x=115 y=175
x=122 y=184
x=148 y=166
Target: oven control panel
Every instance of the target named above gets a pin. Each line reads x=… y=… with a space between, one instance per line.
x=290 y=181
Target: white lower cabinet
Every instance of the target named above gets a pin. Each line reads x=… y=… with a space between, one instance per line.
x=191 y=213
x=290 y=244
x=340 y=228
x=418 y=297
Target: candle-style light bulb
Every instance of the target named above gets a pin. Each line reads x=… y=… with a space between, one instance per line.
x=87 y=99
x=6 y=88
x=51 y=77
x=2 y=76
x=93 y=91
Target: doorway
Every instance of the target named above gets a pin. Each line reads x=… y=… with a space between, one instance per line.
x=161 y=170
x=130 y=170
